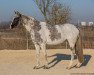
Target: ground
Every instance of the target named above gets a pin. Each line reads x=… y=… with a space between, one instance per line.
x=21 y=62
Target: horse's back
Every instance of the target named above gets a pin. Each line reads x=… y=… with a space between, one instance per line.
x=69 y=29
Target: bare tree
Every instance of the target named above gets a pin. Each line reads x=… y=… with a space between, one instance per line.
x=44 y=6
x=59 y=14
x=53 y=12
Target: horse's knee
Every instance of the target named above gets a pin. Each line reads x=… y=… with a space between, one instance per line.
x=73 y=50
x=37 y=55
x=72 y=54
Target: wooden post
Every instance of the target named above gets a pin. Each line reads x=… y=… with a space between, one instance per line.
x=27 y=41
x=66 y=45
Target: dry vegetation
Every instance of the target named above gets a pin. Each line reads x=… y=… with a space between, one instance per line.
x=53 y=11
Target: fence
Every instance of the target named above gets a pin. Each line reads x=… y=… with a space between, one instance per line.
x=17 y=43
x=87 y=34
x=22 y=43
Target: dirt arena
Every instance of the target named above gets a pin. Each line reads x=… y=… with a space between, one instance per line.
x=21 y=62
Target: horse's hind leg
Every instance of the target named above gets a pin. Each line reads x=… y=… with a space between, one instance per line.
x=37 y=56
x=72 y=45
x=72 y=58
x=43 y=47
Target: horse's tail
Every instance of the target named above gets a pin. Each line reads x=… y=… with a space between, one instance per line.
x=78 y=49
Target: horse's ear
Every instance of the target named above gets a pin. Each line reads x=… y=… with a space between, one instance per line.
x=14 y=11
x=17 y=13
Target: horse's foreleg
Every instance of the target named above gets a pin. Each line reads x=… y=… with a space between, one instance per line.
x=72 y=58
x=37 y=56
x=43 y=47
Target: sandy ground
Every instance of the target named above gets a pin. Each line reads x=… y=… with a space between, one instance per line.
x=21 y=62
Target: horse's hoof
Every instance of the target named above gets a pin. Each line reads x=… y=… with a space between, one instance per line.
x=78 y=65
x=68 y=68
x=36 y=67
x=45 y=67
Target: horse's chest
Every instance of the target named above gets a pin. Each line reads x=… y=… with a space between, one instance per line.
x=35 y=35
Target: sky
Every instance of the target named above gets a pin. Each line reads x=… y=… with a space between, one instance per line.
x=81 y=10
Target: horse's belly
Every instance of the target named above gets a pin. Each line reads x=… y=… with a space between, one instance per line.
x=55 y=42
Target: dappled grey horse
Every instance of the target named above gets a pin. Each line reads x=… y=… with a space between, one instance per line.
x=43 y=34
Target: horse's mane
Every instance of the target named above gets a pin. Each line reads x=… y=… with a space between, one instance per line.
x=27 y=17
x=36 y=22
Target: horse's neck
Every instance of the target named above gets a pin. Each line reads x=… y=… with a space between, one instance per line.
x=36 y=27
x=28 y=28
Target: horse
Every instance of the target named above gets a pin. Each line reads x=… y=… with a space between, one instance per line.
x=43 y=34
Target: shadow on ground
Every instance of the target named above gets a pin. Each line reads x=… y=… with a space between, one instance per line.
x=60 y=57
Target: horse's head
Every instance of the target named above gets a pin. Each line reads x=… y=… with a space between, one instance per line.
x=22 y=19
x=16 y=20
